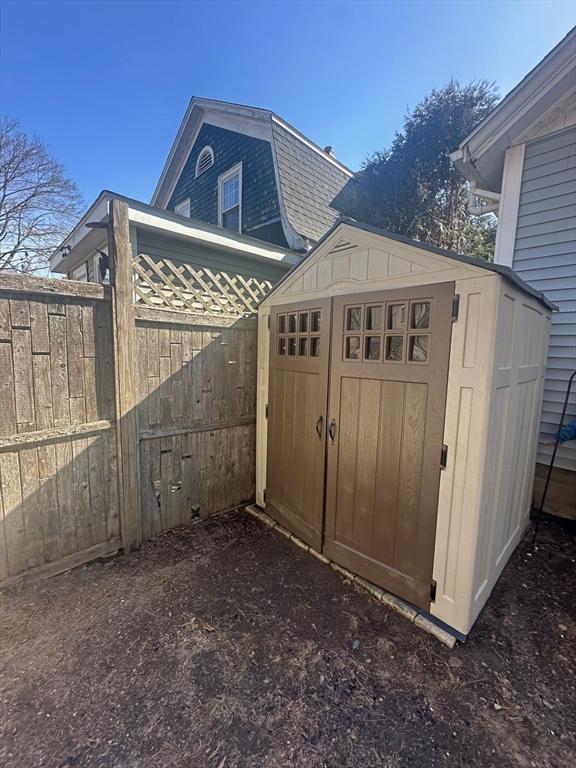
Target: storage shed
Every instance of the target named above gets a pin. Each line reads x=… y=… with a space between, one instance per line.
x=399 y=390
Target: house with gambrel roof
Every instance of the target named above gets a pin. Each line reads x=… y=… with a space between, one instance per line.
x=235 y=175
x=248 y=170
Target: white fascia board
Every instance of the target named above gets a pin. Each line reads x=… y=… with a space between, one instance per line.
x=172 y=152
x=82 y=238
x=211 y=238
x=558 y=65
x=85 y=240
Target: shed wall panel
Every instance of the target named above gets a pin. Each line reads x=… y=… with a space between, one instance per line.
x=511 y=437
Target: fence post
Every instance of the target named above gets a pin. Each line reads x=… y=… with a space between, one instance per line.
x=124 y=324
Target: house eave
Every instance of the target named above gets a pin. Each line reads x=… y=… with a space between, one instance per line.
x=480 y=157
x=83 y=240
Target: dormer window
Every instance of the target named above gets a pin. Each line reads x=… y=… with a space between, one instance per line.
x=205 y=160
x=230 y=199
x=183 y=208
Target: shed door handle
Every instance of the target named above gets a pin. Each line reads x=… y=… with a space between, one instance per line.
x=319 y=427
x=332 y=430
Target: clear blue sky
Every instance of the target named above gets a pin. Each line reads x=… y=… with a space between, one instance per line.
x=105 y=84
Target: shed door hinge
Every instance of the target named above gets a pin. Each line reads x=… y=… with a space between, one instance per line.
x=455 y=307
x=264 y=495
x=266 y=410
x=268 y=322
x=432 y=590
x=443 y=456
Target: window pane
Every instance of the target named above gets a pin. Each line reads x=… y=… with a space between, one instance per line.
x=303 y=322
x=292 y=347
x=373 y=318
x=281 y=346
x=231 y=219
x=231 y=192
x=394 y=347
x=354 y=318
x=396 y=316
x=372 y=348
x=281 y=323
x=420 y=315
x=292 y=323
x=352 y=348
x=419 y=349
x=303 y=347
x=315 y=346
x=315 y=321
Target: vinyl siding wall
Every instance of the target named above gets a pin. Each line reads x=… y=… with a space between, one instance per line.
x=178 y=251
x=545 y=256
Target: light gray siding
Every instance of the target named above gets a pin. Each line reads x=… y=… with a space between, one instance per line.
x=545 y=256
x=162 y=247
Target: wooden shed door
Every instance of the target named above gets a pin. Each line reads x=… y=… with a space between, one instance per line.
x=388 y=381
x=297 y=402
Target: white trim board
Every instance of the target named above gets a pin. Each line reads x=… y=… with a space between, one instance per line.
x=84 y=240
x=509 y=204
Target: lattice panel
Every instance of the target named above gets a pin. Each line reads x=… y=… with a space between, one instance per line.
x=165 y=284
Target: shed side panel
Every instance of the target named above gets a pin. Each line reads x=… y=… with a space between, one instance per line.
x=514 y=407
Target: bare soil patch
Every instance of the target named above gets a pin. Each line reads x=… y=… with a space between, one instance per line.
x=224 y=645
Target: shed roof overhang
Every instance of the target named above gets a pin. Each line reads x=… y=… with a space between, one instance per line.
x=84 y=240
x=480 y=157
x=343 y=231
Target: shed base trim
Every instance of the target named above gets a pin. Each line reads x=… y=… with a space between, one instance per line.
x=445 y=634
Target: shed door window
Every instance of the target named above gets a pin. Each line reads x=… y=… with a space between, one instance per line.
x=229 y=198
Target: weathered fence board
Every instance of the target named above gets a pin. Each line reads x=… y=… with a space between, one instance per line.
x=118 y=420
x=57 y=497
x=196 y=394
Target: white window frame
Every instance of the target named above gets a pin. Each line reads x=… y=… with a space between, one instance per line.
x=183 y=208
x=202 y=151
x=236 y=169
x=73 y=273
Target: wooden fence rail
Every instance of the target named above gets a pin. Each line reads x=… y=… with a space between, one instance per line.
x=117 y=421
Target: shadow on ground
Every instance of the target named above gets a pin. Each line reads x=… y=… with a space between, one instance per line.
x=225 y=645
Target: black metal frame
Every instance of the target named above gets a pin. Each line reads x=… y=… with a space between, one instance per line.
x=551 y=466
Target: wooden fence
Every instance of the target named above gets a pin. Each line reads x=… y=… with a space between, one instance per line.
x=116 y=420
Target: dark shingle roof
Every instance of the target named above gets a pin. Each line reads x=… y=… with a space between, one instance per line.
x=309 y=184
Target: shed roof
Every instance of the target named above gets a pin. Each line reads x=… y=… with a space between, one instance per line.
x=500 y=269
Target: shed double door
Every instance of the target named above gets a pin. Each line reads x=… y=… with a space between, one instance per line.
x=371 y=499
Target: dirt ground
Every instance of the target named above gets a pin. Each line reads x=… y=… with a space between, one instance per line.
x=225 y=645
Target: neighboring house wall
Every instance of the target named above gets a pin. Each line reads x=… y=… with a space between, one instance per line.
x=309 y=184
x=260 y=205
x=207 y=258
x=545 y=256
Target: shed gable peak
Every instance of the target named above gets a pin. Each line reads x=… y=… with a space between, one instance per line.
x=350 y=259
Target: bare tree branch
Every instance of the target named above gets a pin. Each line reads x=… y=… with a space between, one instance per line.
x=39 y=205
